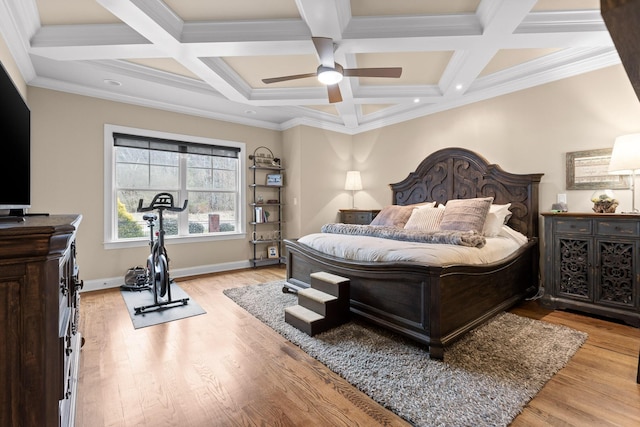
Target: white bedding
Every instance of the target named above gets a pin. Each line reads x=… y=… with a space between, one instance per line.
x=366 y=248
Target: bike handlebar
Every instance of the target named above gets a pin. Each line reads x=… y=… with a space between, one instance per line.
x=162 y=201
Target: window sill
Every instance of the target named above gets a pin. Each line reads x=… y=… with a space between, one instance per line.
x=174 y=240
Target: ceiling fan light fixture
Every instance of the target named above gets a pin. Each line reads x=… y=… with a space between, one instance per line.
x=328 y=75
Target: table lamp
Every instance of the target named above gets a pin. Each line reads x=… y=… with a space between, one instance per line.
x=353 y=183
x=625 y=158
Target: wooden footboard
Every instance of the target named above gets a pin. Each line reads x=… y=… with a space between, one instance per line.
x=432 y=305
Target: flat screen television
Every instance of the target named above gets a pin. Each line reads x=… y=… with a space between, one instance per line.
x=15 y=148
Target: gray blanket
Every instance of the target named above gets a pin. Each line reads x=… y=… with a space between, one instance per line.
x=462 y=238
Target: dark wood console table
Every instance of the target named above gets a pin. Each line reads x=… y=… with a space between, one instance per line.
x=591 y=264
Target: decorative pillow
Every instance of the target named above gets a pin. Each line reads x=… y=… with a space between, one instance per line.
x=425 y=219
x=466 y=214
x=498 y=216
x=393 y=216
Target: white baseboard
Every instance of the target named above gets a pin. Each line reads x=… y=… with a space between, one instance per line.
x=116 y=282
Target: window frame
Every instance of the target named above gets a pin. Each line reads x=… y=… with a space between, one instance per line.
x=110 y=210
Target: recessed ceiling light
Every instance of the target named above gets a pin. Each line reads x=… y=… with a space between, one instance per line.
x=459 y=86
x=416 y=100
x=111 y=82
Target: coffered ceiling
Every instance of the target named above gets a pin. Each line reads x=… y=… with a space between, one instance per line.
x=208 y=58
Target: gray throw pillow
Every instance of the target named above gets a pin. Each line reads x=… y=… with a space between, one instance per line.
x=393 y=216
x=466 y=214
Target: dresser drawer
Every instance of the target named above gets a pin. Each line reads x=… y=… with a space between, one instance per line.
x=349 y=217
x=357 y=217
x=584 y=226
x=617 y=228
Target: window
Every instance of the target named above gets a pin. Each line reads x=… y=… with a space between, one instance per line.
x=205 y=172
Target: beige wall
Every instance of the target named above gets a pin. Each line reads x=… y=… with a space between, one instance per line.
x=293 y=170
x=67 y=173
x=529 y=131
x=317 y=180
x=525 y=132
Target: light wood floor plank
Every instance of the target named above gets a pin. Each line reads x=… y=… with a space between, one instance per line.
x=227 y=368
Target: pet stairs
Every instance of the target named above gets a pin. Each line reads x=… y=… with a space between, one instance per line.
x=322 y=306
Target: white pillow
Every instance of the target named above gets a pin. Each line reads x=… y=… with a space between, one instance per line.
x=425 y=219
x=425 y=205
x=498 y=216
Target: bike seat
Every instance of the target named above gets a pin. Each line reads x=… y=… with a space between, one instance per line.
x=149 y=217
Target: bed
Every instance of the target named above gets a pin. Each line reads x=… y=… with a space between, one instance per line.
x=437 y=305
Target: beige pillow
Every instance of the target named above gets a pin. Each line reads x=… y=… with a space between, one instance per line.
x=425 y=219
x=498 y=216
x=466 y=214
x=393 y=216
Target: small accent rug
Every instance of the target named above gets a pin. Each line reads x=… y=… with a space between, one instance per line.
x=165 y=314
x=486 y=378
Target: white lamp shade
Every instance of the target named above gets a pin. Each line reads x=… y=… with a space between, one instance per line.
x=625 y=157
x=353 y=181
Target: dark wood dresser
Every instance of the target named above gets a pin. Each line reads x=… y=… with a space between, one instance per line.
x=592 y=264
x=39 y=303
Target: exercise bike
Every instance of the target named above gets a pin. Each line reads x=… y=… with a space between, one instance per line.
x=158 y=262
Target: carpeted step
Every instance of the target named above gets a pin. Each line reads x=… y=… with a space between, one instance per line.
x=322 y=306
x=331 y=284
x=318 y=301
x=307 y=321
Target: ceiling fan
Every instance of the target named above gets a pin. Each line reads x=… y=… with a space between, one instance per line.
x=330 y=72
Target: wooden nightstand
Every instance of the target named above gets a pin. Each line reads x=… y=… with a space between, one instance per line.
x=358 y=216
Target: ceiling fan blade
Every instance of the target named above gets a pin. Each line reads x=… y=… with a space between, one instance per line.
x=324 y=47
x=373 y=72
x=285 y=78
x=334 y=93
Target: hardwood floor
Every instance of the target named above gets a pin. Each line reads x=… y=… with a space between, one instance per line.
x=226 y=368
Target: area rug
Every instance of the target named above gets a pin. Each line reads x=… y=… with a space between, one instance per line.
x=486 y=378
x=166 y=314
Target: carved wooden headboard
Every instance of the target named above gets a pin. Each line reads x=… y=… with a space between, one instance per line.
x=458 y=173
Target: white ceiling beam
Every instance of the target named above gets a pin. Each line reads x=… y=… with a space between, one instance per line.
x=328 y=18
x=363 y=35
x=18 y=22
x=150 y=29
x=499 y=19
x=158 y=24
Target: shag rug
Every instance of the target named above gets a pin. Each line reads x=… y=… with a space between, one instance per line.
x=486 y=378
